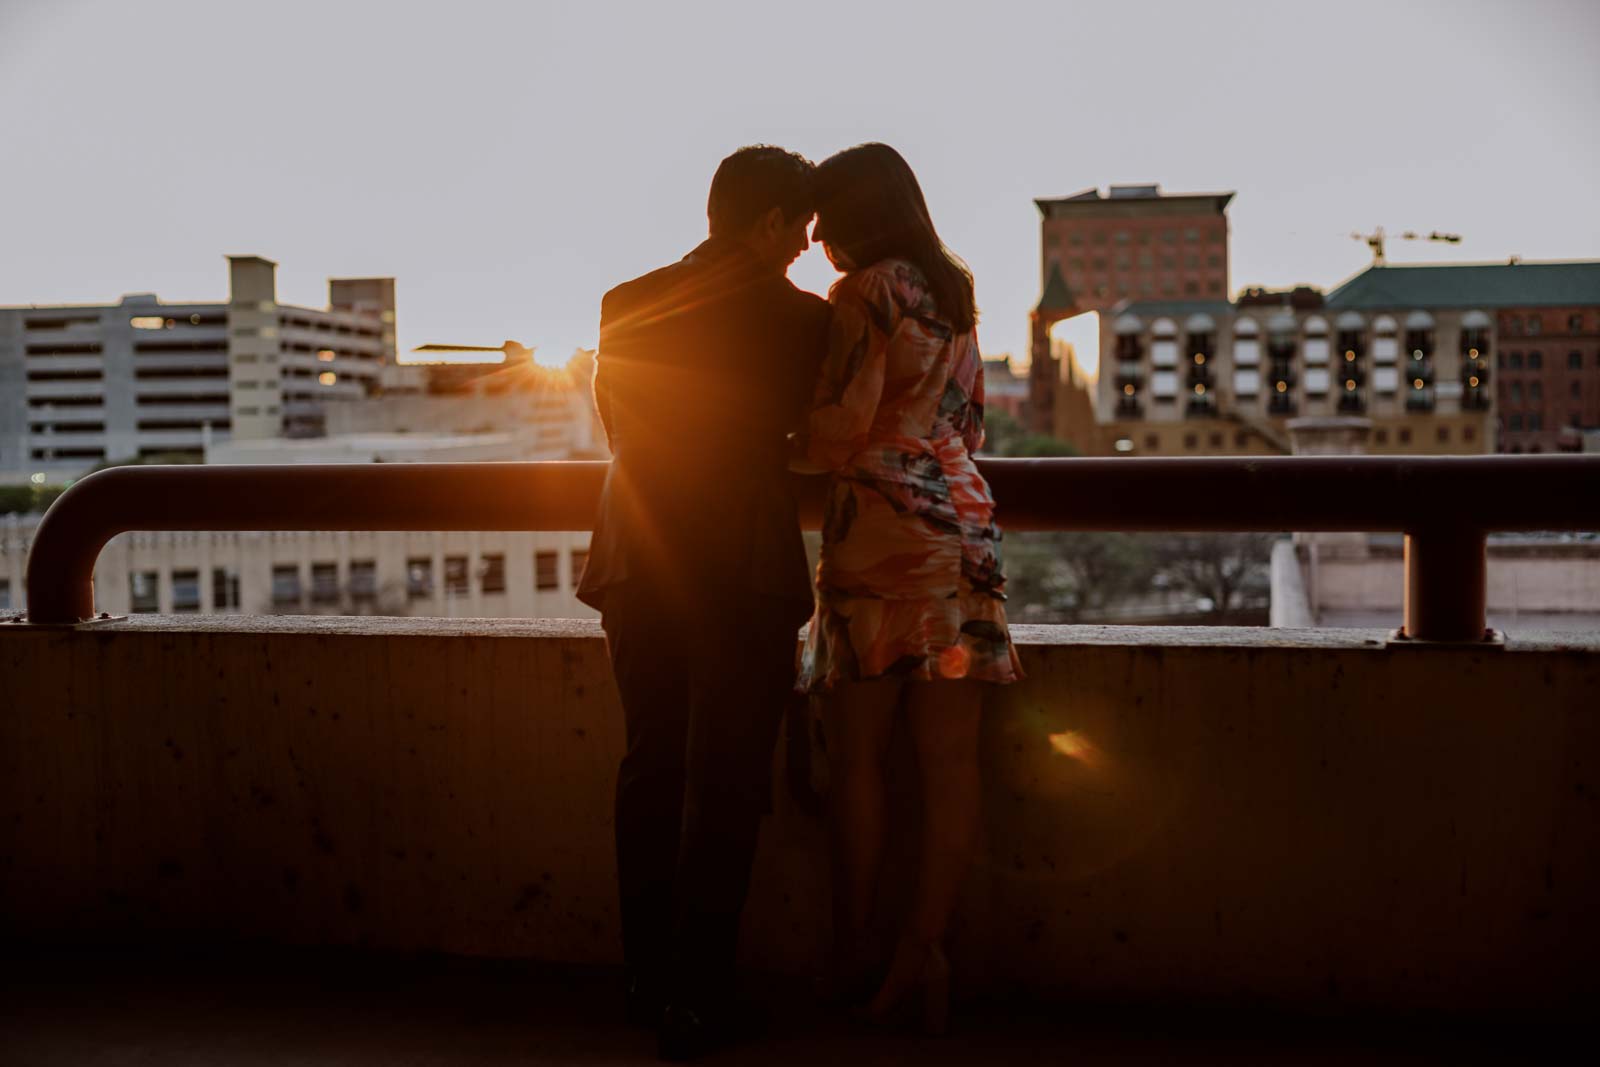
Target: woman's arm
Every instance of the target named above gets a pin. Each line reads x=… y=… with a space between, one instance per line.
x=850 y=386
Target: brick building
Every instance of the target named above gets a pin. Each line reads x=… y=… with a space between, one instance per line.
x=1134 y=243
x=1547 y=331
x=1445 y=359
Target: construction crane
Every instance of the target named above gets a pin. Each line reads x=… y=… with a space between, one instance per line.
x=1376 y=238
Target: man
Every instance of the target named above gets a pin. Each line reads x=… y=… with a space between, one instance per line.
x=699 y=572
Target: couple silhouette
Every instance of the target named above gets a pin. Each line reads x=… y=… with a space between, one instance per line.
x=715 y=378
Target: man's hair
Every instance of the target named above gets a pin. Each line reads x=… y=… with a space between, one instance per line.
x=753 y=181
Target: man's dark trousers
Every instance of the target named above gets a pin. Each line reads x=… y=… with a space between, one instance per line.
x=704 y=682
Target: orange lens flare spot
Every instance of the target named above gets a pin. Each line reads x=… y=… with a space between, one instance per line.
x=1074 y=746
x=954 y=662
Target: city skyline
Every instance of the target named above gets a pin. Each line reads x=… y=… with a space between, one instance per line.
x=500 y=170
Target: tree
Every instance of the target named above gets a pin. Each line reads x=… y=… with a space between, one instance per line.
x=1225 y=571
x=1073 y=577
x=1005 y=436
x=28 y=499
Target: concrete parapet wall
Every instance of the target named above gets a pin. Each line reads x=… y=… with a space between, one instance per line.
x=1304 y=817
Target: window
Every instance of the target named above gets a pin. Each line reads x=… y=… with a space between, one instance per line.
x=1468 y=433
x=224 y=589
x=324 y=583
x=580 y=560
x=1535 y=392
x=1516 y=361
x=1215 y=440
x=1535 y=360
x=1535 y=325
x=419 y=577
x=1535 y=421
x=65 y=375
x=142 y=592
x=286 y=584
x=1241 y=438
x=186 y=591
x=1574 y=360
x=1575 y=323
x=1383 y=437
x=5 y=594
x=545 y=571
x=1152 y=442
x=1405 y=435
x=1191 y=441
x=1575 y=390
x=1443 y=433
x=1516 y=392
x=363 y=581
x=493 y=572
x=456 y=582
x=1515 y=423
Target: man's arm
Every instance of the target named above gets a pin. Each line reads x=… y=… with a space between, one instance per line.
x=604 y=357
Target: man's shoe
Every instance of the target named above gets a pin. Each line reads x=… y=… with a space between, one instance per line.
x=685 y=1034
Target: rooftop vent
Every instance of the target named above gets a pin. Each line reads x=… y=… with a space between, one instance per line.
x=1135 y=192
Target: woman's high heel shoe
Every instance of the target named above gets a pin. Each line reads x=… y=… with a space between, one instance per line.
x=901 y=992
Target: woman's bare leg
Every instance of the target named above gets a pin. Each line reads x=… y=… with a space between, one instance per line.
x=943 y=717
x=859 y=719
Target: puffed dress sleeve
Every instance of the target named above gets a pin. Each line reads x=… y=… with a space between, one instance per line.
x=850 y=386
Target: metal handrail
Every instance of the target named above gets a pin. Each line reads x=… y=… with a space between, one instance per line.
x=1445 y=505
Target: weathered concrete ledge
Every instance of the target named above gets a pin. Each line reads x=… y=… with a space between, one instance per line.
x=1305 y=816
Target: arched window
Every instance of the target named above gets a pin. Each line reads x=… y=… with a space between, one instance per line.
x=1128 y=330
x=1164 y=343
x=1246 y=342
x=1385 y=339
x=1316 y=343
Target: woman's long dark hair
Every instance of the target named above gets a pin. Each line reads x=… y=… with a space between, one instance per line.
x=870 y=206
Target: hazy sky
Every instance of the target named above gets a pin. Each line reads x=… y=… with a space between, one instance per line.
x=509 y=162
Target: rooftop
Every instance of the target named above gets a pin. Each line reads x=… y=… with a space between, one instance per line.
x=1056 y=296
x=1172 y=307
x=1472 y=285
x=1120 y=198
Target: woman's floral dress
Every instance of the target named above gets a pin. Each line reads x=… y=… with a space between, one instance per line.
x=910 y=583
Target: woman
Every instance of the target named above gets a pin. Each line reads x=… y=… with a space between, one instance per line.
x=909 y=608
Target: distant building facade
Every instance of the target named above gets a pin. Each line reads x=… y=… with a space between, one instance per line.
x=1414 y=349
x=462 y=574
x=1003 y=388
x=83 y=385
x=1549 y=381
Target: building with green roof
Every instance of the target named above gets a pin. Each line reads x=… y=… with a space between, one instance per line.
x=1471 y=285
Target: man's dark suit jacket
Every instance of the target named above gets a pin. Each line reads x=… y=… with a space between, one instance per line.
x=705 y=366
